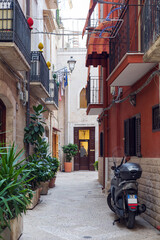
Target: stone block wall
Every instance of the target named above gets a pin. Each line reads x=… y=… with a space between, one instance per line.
x=149 y=187
x=100 y=170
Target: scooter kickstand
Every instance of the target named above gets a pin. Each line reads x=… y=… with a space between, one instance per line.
x=117 y=220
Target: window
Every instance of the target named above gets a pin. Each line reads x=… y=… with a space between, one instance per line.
x=132 y=135
x=156 y=118
x=101 y=144
x=83 y=99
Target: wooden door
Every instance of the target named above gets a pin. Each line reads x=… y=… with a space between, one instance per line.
x=92 y=149
x=85 y=162
x=83 y=155
x=76 y=141
x=54 y=145
x=2 y=122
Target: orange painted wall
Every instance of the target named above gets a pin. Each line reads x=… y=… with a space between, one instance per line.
x=146 y=99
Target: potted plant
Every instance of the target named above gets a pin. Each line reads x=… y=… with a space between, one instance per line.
x=54 y=165
x=15 y=193
x=95 y=165
x=70 y=151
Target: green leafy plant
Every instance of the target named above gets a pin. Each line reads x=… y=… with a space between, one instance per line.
x=70 y=150
x=96 y=165
x=35 y=130
x=15 y=194
x=54 y=164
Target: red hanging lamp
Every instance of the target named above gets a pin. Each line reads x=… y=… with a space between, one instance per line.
x=30 y=22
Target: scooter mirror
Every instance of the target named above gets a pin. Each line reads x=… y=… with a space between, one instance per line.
x=113 y=167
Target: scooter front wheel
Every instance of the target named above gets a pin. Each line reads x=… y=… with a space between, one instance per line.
x=109 y=202
x=130 y=220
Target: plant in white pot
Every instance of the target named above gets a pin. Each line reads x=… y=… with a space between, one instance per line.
x=70 y=151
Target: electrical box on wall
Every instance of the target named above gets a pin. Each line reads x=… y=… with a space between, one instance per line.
x=113 y=90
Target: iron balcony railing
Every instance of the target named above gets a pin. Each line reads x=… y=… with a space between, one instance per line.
x=127 y=38
x=53 y=93
x=14 y=27
x=94 y=90
x=150 y=23
x=39 y=69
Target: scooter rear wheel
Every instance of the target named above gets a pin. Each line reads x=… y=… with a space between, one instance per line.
x=109 y=202
x=130 y=220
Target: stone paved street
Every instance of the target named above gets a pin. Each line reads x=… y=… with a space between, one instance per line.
x=76 y=209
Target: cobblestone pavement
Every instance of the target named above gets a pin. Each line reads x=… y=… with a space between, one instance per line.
x=76 y=209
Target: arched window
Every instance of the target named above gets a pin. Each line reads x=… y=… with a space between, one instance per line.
x=83 y=99
x=2 y=122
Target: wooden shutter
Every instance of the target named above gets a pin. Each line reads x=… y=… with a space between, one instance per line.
x=101 y=144
x=126 y=137
x=132 y=137
x=129 y=135
x=56 y=145
x=138 y=136
x=92 y=149
x=76 y=141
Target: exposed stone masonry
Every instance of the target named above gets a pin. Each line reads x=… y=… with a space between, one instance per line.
x=149 y=187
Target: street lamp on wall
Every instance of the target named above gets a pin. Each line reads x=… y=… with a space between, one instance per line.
x=71 y=64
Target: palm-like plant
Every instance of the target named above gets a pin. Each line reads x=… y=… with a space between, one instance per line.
x=15 y=194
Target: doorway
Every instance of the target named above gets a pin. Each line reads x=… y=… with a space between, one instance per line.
x=2 y=123
x=83 y=151
x=85 y=139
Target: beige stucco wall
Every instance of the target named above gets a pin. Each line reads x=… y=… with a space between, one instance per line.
x=15 y=111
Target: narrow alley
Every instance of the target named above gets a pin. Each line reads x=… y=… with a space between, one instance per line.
x=76 y=209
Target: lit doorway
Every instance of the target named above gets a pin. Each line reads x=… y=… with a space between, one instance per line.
x=85 y=139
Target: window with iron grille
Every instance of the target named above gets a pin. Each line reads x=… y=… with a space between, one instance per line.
x=156 y=118
x=132 y=135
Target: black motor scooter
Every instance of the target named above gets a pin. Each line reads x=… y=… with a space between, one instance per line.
x=123 y=194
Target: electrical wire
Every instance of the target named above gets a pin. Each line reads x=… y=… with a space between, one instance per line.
x=59 y=34
x=147 y=82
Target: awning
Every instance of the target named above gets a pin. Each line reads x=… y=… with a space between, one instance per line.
x=91 y=9
x=98 y=46
x=56 y=129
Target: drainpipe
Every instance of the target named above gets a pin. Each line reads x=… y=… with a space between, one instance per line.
x=28 y=107
x=104 y=125
x=27 y=8
x=28 y=83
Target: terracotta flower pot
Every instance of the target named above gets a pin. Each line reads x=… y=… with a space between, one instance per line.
x=52 y=182
x=68 y=166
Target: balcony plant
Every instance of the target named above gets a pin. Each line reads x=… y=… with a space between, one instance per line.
x=70 y=151
x=15 y=193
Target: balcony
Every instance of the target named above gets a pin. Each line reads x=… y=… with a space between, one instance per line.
x=15 y=36
x=52 y=4
x=94 y=92
x=49 y=20
x=151 y=30
x=126 y=51
x=52 y=101
x=39 y=82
